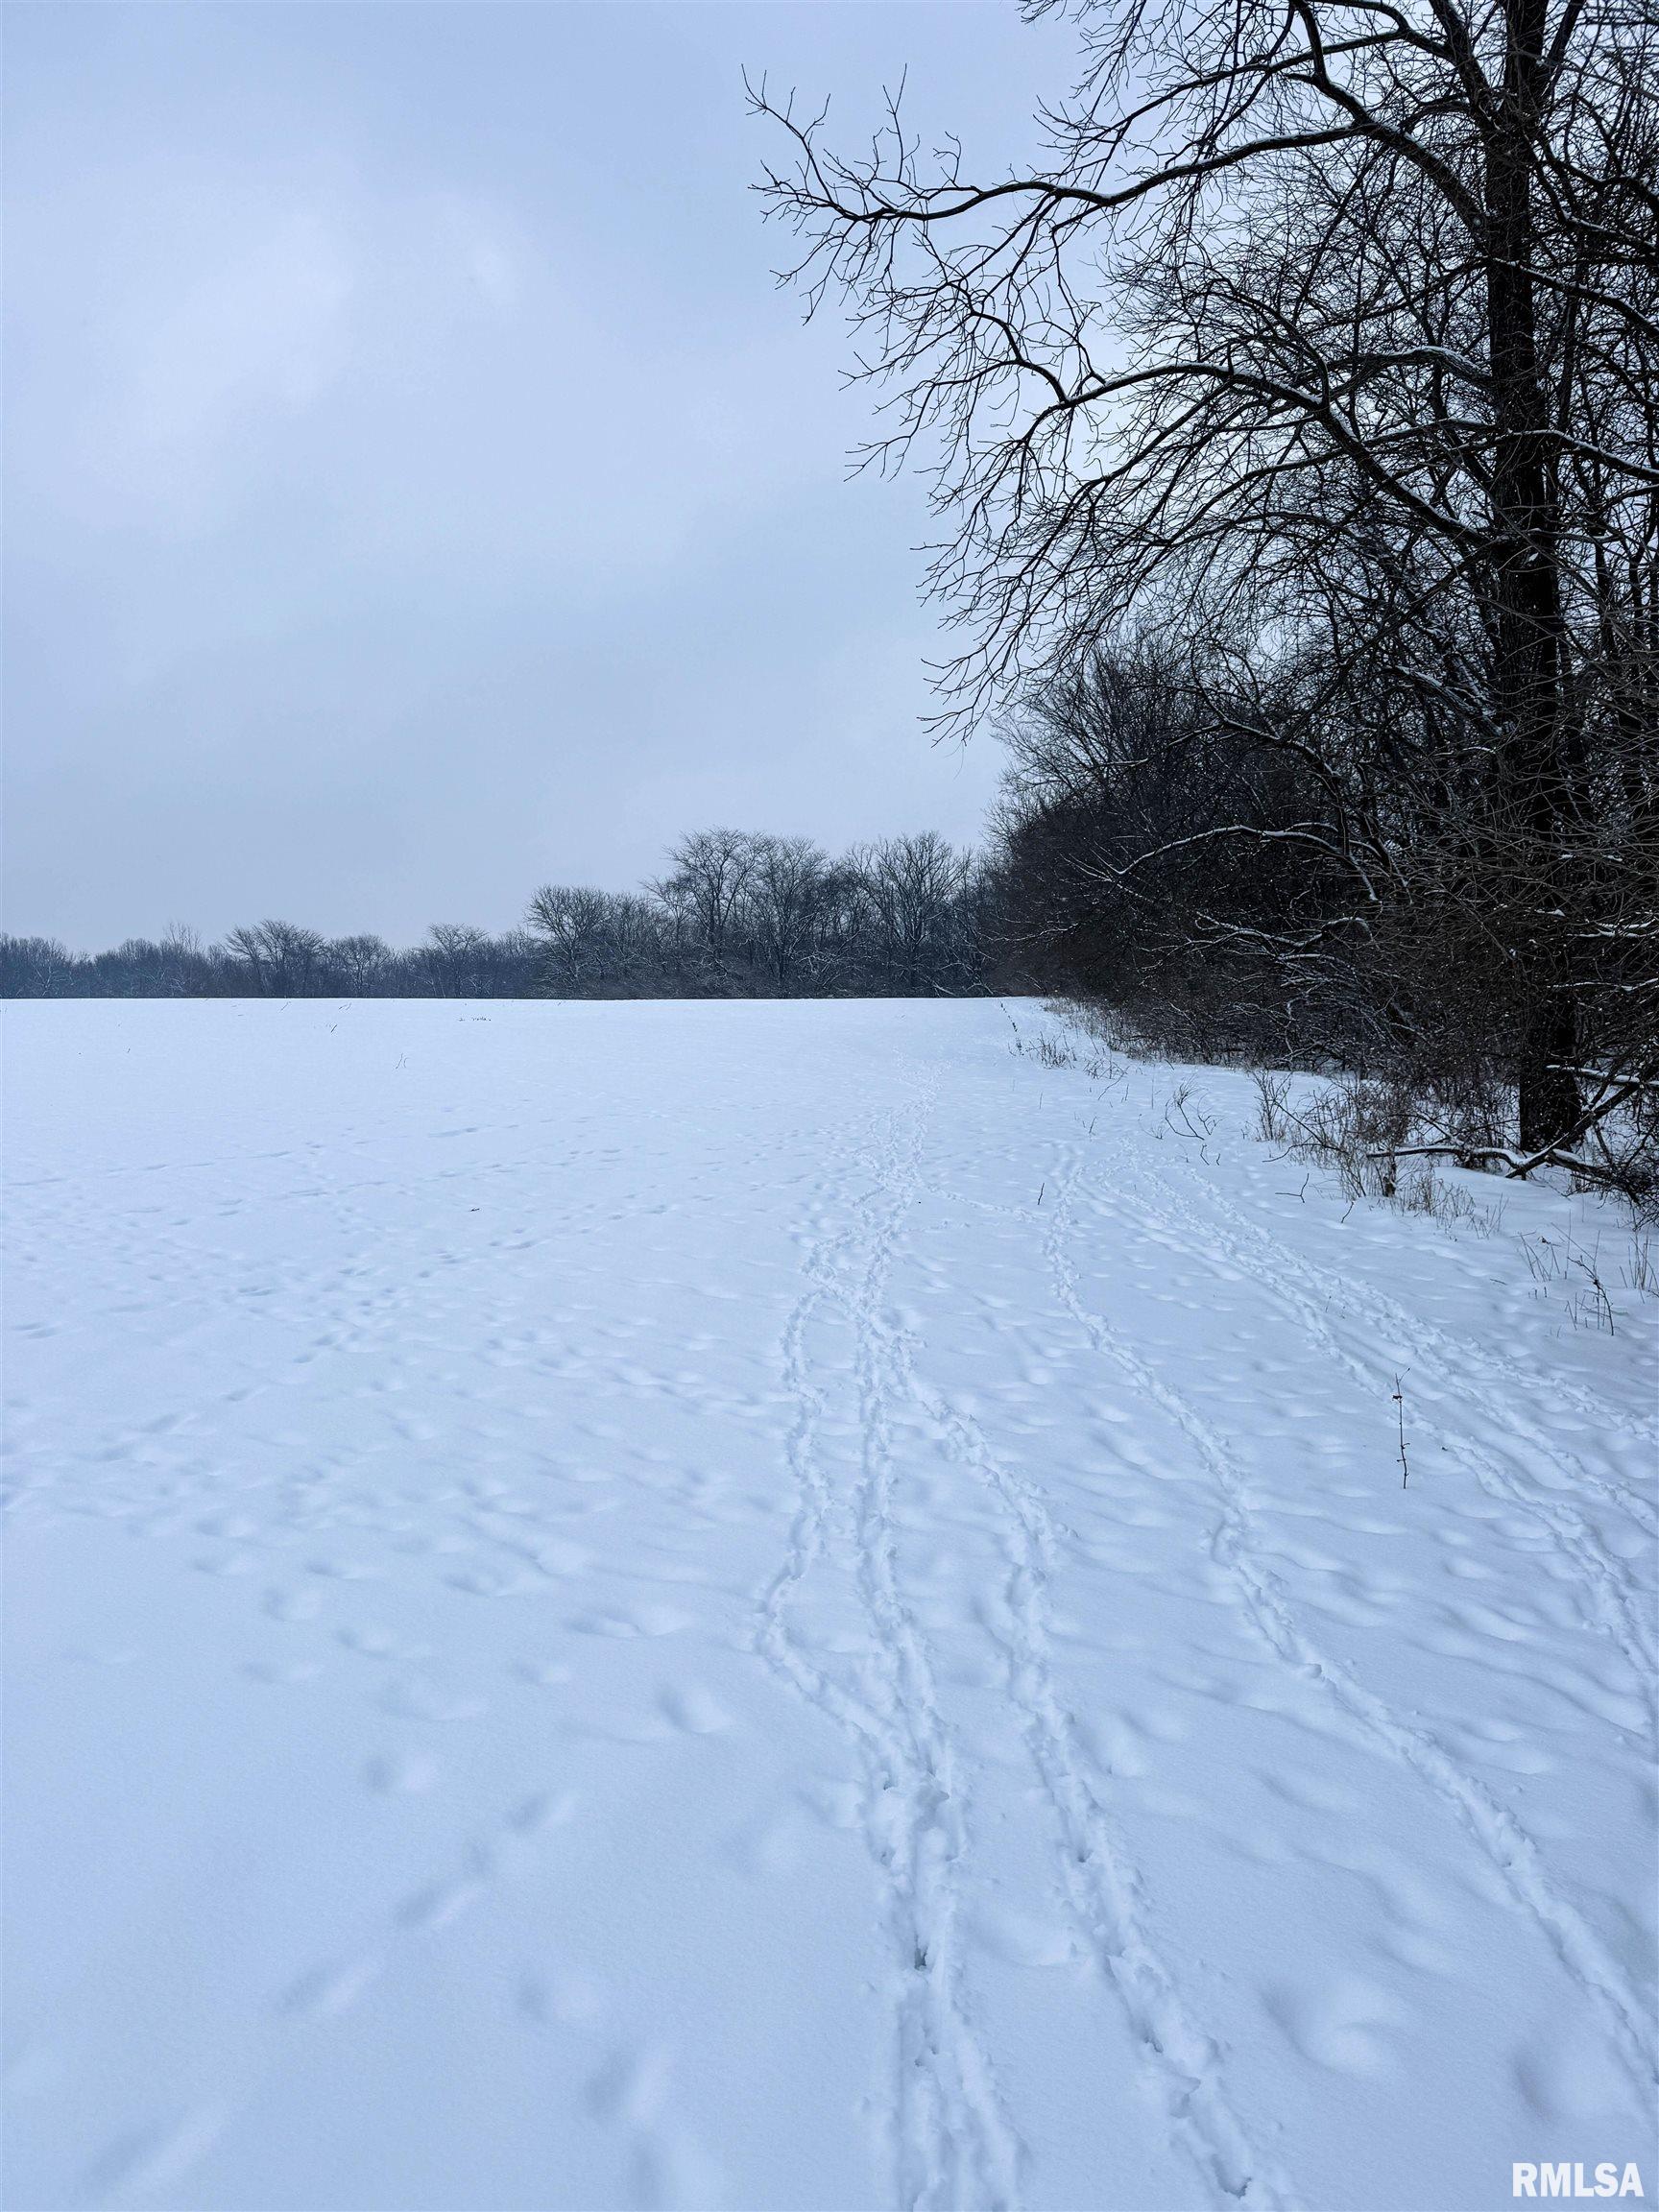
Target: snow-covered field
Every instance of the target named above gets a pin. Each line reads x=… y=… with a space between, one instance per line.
x=779 y=1606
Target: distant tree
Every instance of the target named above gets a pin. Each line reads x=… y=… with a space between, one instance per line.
x=642 y=959
x=358 y=961
x=278 y=959
x=36 y=968
x=709 y=875
x=456 y=959
x=572 y=929
x=786 y=892
x=590 y=944
x=510 y=964
x=245 y=952
x=912 y=887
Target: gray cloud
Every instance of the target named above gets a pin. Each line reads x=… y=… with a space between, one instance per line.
x=414 y=485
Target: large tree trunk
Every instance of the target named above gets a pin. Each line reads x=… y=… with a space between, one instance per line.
x=1550 y=1102
x=1534 y=800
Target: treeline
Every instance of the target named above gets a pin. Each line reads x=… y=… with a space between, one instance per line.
x=1330 y=888
x=1293 y=425
x=274 y=959
x=734 y=914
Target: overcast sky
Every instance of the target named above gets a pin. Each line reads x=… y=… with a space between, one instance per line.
x=415 y=486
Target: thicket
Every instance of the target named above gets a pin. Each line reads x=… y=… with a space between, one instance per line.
x=1293 y=427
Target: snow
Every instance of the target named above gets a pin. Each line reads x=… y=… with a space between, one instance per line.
x=779 y=1605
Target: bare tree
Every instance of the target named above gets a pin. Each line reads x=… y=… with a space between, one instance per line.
x=1325 y=340
x=709 y=875
x=281 y=959
x=36 y=968
x=787 y=894
x=913 y=886
x=574 y=929
x=359 y=961
x=455 y=956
